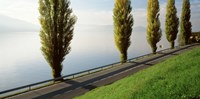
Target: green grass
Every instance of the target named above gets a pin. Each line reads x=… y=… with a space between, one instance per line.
x=177 y=77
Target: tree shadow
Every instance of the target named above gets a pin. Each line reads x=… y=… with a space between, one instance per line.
x=88 y=83
x=73 y=82
x=142 y=63
x=166 y=53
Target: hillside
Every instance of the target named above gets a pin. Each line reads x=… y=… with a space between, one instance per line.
x=8 y=24
x=175 y=78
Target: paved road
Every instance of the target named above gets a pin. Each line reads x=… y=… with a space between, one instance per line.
x=75 y=87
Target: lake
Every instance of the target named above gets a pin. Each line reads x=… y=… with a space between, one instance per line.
x=22 y=63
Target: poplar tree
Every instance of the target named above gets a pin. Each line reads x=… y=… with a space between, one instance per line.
x=171 y=23
x=123 y=22
x=57 y=25
x=185 y=24
x=153 y=24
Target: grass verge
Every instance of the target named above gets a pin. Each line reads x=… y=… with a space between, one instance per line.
x=177 y=77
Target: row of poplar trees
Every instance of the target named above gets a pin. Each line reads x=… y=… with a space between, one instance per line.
x=57 y=26
x=123 y=22
x=171 y=23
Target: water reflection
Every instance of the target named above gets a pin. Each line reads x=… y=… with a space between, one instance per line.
x=22 y=63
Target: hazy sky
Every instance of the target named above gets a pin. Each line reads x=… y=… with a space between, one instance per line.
x=97 y=12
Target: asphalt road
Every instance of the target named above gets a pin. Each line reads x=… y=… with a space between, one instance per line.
x=78 y=86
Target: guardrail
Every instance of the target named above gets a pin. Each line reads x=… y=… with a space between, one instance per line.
x=70 y=76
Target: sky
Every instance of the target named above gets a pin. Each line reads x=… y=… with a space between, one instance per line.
x=94 y=12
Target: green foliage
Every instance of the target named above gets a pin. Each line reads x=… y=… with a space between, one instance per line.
x=171 y=23
x=123 y=22
x=154 y=32
x=175 y=78
x=185 y=24
x=57 y=25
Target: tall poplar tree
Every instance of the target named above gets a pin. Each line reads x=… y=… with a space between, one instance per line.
x=171 y=23
x=57 y=25
x=153 y=24
x=123 y=22
x=185 y=24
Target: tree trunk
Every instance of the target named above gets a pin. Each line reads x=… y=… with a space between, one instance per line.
x=123 y=57
x=172 y=44
x=56 y=72
x=154 y=49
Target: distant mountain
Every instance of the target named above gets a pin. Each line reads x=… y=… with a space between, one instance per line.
x=106 y=28
x=8 y=24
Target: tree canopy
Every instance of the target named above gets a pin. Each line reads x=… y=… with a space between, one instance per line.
x=123 y=22
x=57 y=25
x=171 y=22
x=154 y=32
x=185 y=24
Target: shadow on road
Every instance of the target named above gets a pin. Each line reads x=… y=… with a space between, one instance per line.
x=87 y=84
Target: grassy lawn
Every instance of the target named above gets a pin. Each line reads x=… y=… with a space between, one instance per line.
x=177 y=77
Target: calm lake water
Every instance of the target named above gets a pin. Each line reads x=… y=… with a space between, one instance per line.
x=22 y=63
